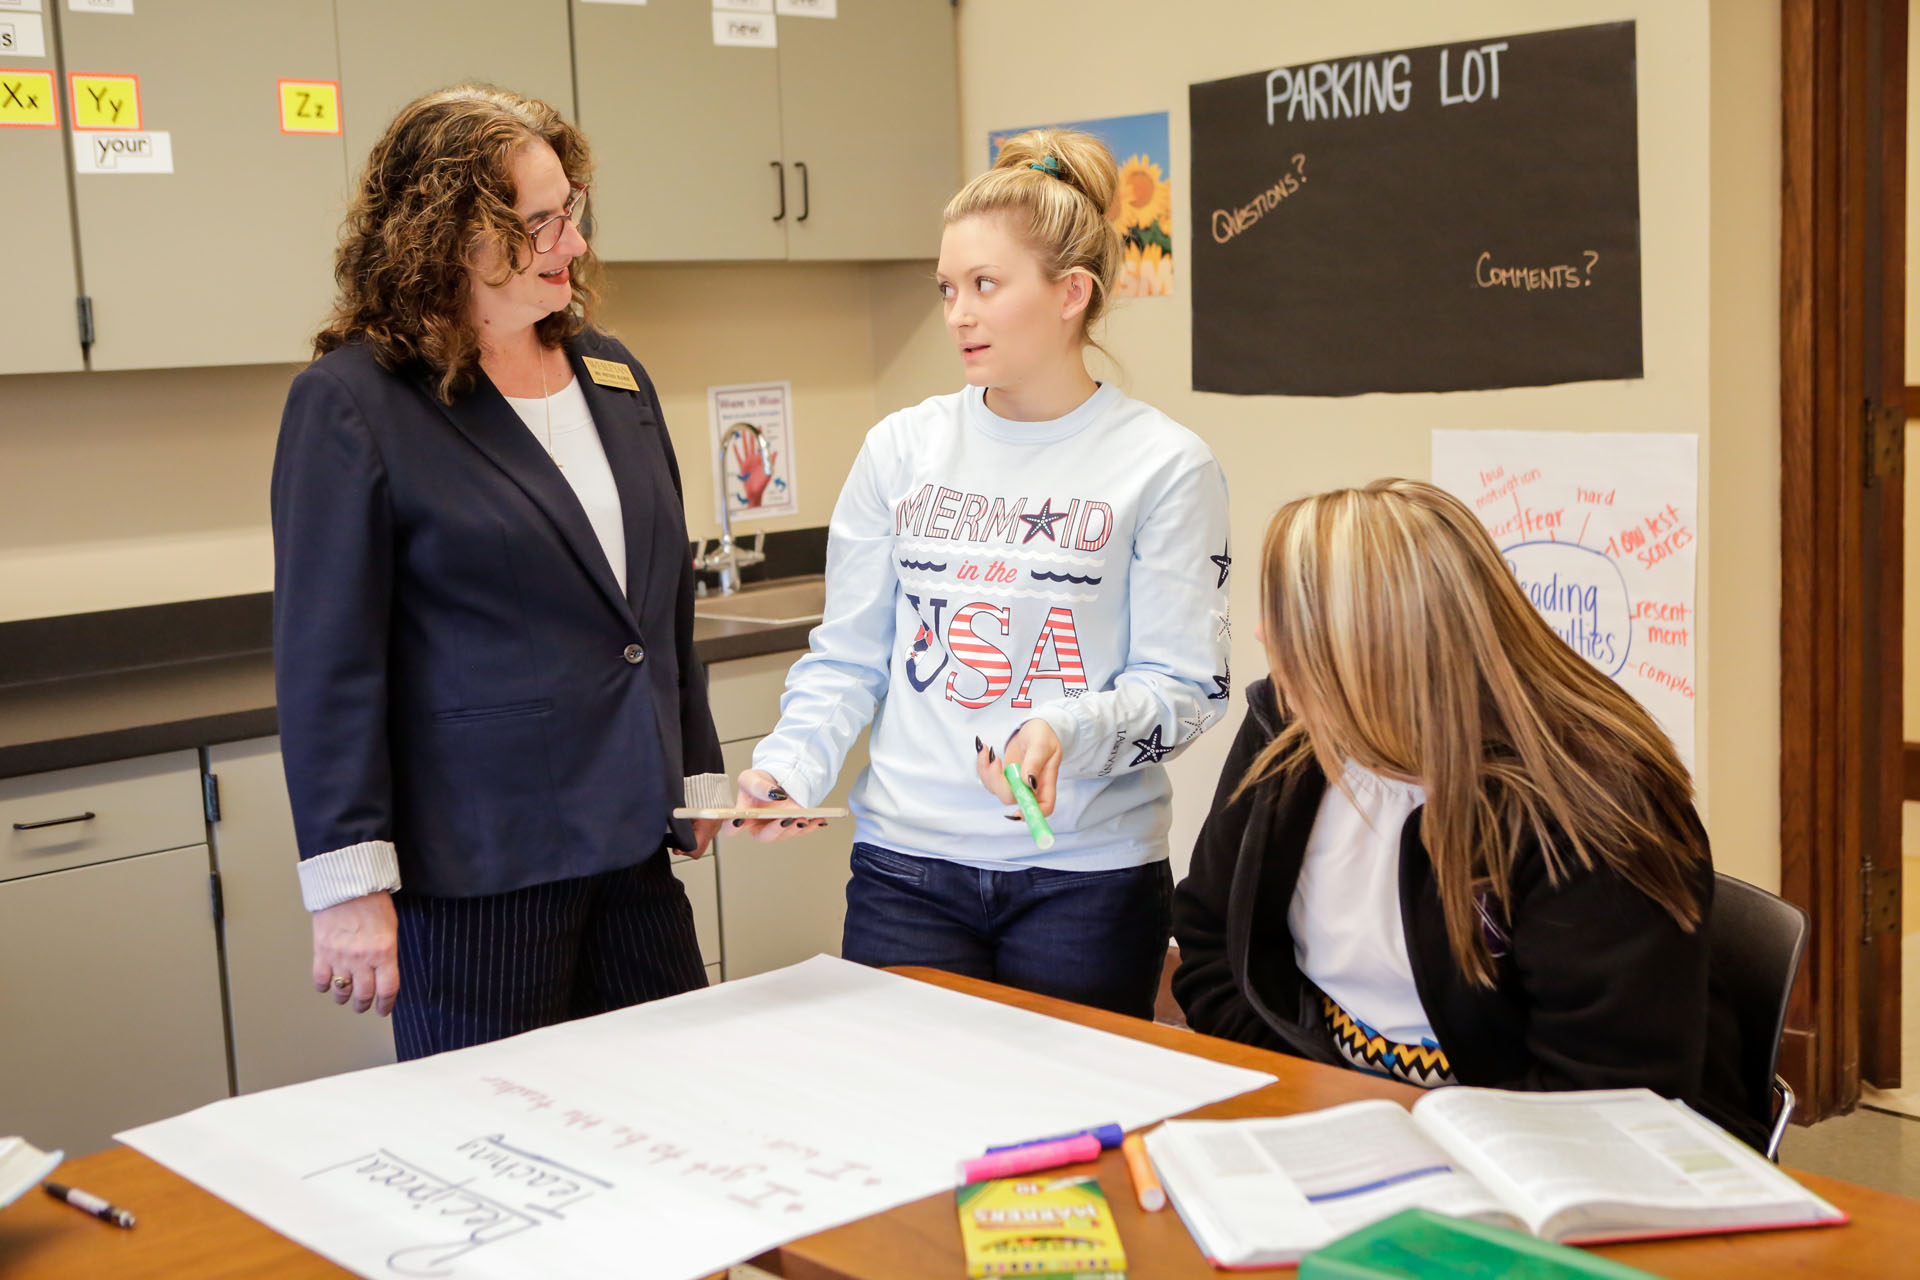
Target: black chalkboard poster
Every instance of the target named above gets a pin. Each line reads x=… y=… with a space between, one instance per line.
x=1450 y=218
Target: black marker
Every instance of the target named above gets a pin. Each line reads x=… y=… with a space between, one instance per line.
x=87 y=1203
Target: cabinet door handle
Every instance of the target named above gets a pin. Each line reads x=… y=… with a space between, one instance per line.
x=780 y=176
x=806 y=194
x=53 y=822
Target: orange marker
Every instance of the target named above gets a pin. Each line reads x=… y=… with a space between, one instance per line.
x=1146 y=1187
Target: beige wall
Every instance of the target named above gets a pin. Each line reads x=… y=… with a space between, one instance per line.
x=1708 y=305
x=140 y=488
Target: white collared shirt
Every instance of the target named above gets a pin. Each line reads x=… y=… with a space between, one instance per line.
x=1345 y=918
x=582 y=458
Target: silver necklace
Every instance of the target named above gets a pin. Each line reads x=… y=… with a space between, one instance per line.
x=547 y=405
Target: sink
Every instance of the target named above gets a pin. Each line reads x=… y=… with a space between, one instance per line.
x=768 y=603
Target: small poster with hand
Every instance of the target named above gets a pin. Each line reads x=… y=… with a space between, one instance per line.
x=752 y=442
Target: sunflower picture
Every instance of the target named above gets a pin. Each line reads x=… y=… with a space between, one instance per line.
x=1143 y=208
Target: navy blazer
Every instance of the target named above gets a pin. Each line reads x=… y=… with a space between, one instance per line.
x=458 y=671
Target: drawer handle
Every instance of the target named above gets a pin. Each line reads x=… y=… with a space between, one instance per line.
x=53 y=822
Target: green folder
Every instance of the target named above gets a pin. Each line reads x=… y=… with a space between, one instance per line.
x=1418 y=1244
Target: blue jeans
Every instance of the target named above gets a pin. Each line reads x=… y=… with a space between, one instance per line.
x=1093 y=937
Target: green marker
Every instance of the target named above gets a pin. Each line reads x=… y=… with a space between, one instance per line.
x=1029 y=807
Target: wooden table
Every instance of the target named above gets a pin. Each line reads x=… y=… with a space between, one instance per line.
x=184 y=1231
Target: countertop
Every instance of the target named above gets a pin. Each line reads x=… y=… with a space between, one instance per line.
x=116 y=715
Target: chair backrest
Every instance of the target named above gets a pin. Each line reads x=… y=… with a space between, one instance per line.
x=1756 y=940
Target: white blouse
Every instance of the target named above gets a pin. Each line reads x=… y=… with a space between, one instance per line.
x=1345 y=915
x=583 y=461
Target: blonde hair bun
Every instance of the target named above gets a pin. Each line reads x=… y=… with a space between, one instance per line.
x=1080 y=160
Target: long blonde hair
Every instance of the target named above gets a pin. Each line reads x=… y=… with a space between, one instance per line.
x=1056 y=185
x=1399 y=639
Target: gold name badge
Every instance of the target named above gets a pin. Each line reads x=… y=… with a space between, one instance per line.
x=610 y=373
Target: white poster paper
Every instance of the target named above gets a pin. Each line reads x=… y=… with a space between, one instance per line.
x=749 y=30
x=100 y=6
x=754 y=475
x=666 y=1141
x=20 y=6
x=807 y=8
x=615 y=1
x=100 y=151
x=1602 y=532
x=744 y=6
x=22 y=35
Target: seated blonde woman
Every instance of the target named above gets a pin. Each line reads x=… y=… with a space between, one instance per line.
x=1444 y=848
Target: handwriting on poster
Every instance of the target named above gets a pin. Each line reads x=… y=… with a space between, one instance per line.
x=1567 y=555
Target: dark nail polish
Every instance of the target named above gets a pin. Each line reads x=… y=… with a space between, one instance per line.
x=1032 y=782
x=1012 y=817
x=739 y=822
x=786 y=822
x=992 y=758
x=978 y=746
x=776 y=794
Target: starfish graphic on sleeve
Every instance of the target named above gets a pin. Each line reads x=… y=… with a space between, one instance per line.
x=1221 y=682
x=1195 y=725
x=1222 y=562
x=1152 y=750
x=1042 y=522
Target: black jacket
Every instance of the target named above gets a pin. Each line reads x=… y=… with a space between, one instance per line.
x=1598 y=988
x=458 y=670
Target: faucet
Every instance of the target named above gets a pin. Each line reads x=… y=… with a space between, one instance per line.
x=728 y=558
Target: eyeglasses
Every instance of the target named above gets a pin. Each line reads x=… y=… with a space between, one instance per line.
x=545 y=234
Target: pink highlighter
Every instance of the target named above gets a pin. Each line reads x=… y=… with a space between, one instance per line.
x=1018 y=1160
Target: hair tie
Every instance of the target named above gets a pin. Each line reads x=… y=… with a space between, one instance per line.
x=1049 y=165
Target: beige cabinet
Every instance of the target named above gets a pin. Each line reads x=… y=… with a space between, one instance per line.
x=841 y=143
x=701 y=881
x=228 y=259
x=869 y=123
x=685 y=134
x=39 y=328
x=283 y=1031
x=781 y=902
x=109 y=981
x=393 y=51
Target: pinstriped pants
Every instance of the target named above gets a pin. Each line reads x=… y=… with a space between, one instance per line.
x=479 y=969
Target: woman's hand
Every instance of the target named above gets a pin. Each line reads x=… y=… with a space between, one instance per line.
x=761 y=790
x=1035 y=747
x=704 y=829
x=357 y=940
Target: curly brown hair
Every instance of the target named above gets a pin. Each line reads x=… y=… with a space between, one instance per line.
x=438 y=186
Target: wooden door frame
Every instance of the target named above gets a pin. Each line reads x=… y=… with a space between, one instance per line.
x=1842 y=434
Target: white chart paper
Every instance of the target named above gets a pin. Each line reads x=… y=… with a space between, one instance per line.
x=747 y=30
x=666 y=1141
x=116 y=151
x=22 y=35
x=1602 y=530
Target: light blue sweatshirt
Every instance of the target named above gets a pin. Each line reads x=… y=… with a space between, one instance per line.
x=983 y=572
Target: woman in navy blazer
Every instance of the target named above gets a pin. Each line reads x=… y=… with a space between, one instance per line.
x=483 y=604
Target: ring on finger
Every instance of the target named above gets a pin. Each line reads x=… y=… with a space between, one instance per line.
x=342 y=981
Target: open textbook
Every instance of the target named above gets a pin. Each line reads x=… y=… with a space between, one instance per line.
x=1576 y=1168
